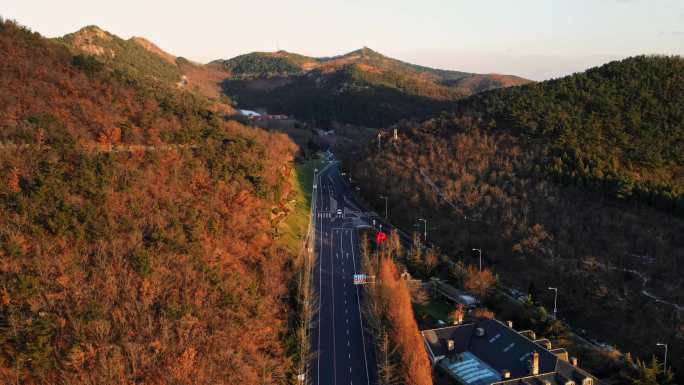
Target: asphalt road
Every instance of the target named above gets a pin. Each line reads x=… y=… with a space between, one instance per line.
x=344 y=351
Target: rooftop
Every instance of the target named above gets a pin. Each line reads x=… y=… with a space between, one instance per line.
x=486 y=352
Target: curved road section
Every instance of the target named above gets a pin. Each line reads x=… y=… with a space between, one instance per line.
x=343 y=352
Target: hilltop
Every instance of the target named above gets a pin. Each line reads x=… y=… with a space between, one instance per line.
x=145 y=61
x=616 y=128
x=362 y=86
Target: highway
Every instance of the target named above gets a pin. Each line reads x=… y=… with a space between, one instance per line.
x=343 y=354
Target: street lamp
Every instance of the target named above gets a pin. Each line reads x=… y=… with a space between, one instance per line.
x=555 y=300
x=424 y=228
x=385 y=198
x=665 y=360
x=480 y=252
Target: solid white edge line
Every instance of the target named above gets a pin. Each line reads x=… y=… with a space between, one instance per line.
x=332 y=286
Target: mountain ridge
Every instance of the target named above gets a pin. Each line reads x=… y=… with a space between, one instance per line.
x=364 y=55
x=360 y=87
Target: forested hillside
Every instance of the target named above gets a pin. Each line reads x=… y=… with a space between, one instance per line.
x=617 y=128
x=342 y=96
x=135 y=226
x=361 y=87
x=536 y=177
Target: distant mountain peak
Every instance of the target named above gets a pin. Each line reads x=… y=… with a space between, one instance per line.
x=88 y=39
x=93 y=29
x=363 y=52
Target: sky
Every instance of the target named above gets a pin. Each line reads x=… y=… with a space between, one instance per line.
x=535 y=39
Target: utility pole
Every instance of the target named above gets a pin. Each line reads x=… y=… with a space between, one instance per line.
x=424 y=229
x=665 y=360
x=379 y=137
x=555 y=300
x=385 y=198
x=480 y=252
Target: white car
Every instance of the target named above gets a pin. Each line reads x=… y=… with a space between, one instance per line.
x=339 y=212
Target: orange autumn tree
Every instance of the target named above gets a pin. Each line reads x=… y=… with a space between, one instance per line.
x=456 y=316
x=414 y=365
x=479 y=283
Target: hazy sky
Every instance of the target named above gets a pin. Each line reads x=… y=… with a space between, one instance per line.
x=537 y=39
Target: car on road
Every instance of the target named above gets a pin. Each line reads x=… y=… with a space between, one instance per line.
x=339 y=213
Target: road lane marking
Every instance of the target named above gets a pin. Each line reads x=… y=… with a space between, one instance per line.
x=332 y=285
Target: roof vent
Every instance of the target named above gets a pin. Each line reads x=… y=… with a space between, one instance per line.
x=480 y=332
x=506 y=373
x=534 y=364
x=450 y=345
x=509 y=324
x=573 y=361
x=545 y=343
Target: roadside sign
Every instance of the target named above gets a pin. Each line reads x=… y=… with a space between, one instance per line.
x=360 y=279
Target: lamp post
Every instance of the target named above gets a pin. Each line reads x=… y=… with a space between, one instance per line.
x=315 y=179
x=665 y=359
x=424 y=228
x=480 y=252
x=385 y=198
x=555 y=300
